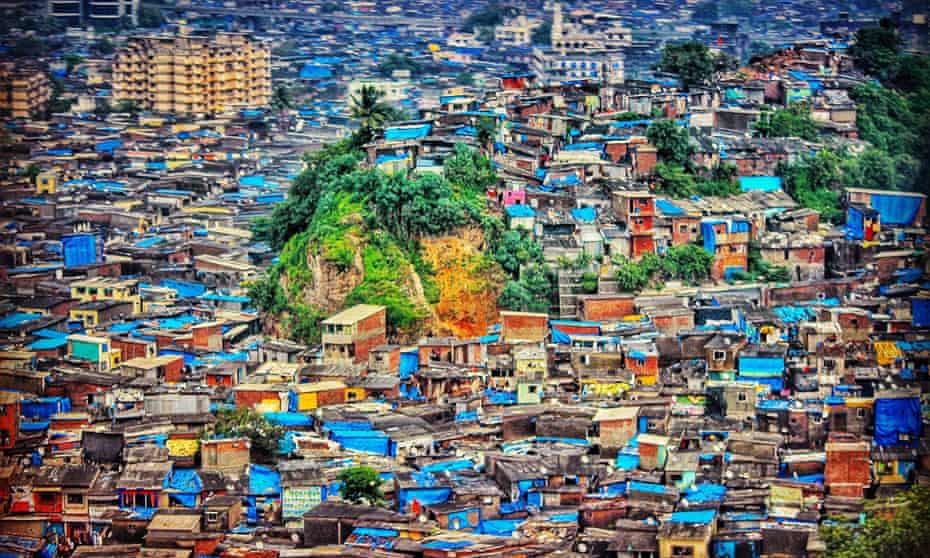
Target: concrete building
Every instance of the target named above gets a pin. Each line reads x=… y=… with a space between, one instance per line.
x=516 y=31
x=193 y=74
x=583 y=46
x=24 y=91
x=99 y=13
x=350 y=335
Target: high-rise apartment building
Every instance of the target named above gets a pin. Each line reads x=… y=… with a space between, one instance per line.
x=24 y=91
x=193 y=74
x=106 y=13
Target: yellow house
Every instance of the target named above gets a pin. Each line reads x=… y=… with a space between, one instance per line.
x=96 y=350
x=46 y=182
x=307 y=397
x=530 y=363
x=687 y=534
x=107 y=288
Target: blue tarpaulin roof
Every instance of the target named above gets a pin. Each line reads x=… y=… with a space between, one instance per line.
x=668 y=207
x=400 y=133
x=699 y=516
x=584 y=214
x=263 y=480
x=520 y=211
x=760 y=183
x=17 y=319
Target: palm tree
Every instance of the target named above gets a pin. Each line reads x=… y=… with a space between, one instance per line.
x=368 y=108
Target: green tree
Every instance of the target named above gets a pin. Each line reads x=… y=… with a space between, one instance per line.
x=531 y=293
x=150 y=16
x=396 y=61
x=29 y=47
x=468 y=169
x=629 y=116
x=128 y=106
x=412 y=208
x=486 y=131
x=903 y=535
x=674 y=181
x=689 y=262
x=794 y=121
x=361 y=485
x=323 y=169
x=671 y=141
x=72 y=60
x=369 y=110
x=691 y=60
x=488 y=17
x=542 y=35
x=465 y=78
x=103 y=108
x=246 y=422
x=632 y=277
x=282 y=98
x=517 y=249
x=589 y=280
x=104 y=46
x=875 y=50
x=266 y=294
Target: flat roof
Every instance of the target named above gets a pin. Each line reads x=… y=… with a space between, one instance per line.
x=352 y=315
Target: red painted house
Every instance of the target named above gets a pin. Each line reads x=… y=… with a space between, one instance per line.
x=10 y=411
x=847 y=470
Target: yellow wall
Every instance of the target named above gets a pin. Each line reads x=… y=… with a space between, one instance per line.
x=306 y=401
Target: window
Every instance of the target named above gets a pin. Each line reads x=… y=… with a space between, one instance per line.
x=213 y=516
x=140 y=500
x=75 y=499
x=682 y=551
x=860 y=413
x=46 y=498
x=532 y=389
x=683 y=228
x=818 y=419
x=720 y=355
x=741 y=396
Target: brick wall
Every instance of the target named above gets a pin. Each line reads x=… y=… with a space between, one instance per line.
x=603 y=309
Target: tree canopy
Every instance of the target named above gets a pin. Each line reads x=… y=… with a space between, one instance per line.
x=794 y=121
x=246 y=422
x=875 y=50
x=694 y=63
x=671 y=141
x=902 y=535
x=361 y=485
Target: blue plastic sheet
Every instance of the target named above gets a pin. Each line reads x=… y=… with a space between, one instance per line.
x=896 y=209
x=499 y=527
x=702 y=517
x=920 y=312
x=81 y=249
x=897 y=421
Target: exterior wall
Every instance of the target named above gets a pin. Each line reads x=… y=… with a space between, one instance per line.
x=173 y=371
x=206 y=75
x=225 y=455
x=524 y=327
x=847 y=469
x=9 y=424
x=616 y=433
x=209 y=337
x=133 y=349
x=691 y=232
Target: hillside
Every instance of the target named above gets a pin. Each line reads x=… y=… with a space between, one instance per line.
x=419 y=246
